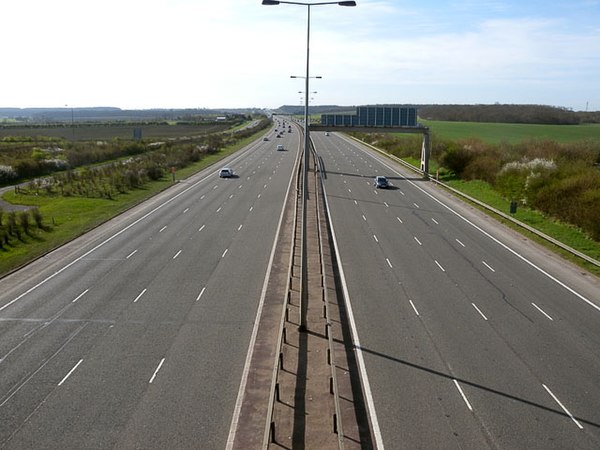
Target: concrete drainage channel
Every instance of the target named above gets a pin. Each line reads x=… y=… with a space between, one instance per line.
x=303 y=388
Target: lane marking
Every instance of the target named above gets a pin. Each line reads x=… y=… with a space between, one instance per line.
x=563 y=407
x=375 y=237
x=402 y=193
x=201 y=228
x=355 y=202
x=240 y=227
x=139 y=295
x=435 y=221
x=219 y=208
x=177 y=254
x=162 y=229
x=502 y=244
x=479 y=311
x=399 y=219
x=258 y=196
x=542 y=311
x=389 y=263
x=131 y=254
x=418 y=241
x=417 y=206
x=245 y=373
x=440 y=266
x=488 y=266
x=464 y=397
x=364 y=218
x=156 y=371
x=231 y=196
x=460 y=242
x=186 y=210
x=70 y=372
x=414 y=307
x=386 y=205
x=80 y=295
x=200 y=294
x=224 y=253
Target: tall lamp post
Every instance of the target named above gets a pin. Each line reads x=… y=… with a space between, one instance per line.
x=304 y=293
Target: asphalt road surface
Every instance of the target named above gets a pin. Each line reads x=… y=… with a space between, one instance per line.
x=135 y=335
x=472 y=337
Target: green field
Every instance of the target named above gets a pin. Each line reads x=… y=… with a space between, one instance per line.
x=494 y=133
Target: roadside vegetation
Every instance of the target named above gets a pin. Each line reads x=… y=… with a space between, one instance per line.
x=555 y=183
x=86 y=183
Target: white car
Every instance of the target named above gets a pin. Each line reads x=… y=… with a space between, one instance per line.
x=226 y=172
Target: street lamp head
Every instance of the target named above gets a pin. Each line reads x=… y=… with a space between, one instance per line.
x=270 y=2
x=340 y=3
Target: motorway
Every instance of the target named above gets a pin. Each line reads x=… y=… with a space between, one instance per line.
x=135 y=335
x=472 y=337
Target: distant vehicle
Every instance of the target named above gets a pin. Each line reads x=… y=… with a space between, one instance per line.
x=289 y=130
x=226 y=172
x=327 y=133
x=278 y=135
x=265 y=138
x=381 y=182
x=280 y=147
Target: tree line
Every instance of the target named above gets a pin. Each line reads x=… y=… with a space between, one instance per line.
x=532 y=114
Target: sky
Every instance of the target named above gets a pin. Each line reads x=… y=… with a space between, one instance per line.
x=138 y=54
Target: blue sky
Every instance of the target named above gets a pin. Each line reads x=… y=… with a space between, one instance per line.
x=238 y=53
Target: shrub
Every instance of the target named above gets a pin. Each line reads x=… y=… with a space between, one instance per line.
x=7 y=174
x=456 y=157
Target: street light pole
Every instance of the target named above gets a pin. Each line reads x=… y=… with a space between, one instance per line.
x=304 y=276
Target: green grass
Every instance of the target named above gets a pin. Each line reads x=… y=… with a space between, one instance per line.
x=565 y=233
x=511 y=132
x=69 y=217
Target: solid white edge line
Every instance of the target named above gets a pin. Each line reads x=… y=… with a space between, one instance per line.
x=356 y=341
x=485 y=233
x=542 y=311
x=479 y=311
x=156 y=371
x=200 y=294
x=240 y=397
x=70 y=372
x=563 y=407
x=464 y=397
